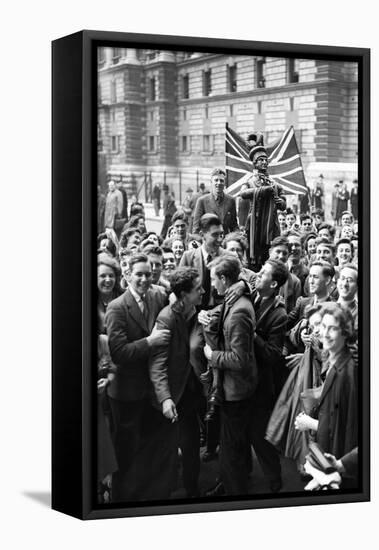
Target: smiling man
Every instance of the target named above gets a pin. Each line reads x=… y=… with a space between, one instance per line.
x=132 y=340
x=217 y=202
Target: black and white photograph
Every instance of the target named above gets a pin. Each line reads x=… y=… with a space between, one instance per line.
x=228 y=295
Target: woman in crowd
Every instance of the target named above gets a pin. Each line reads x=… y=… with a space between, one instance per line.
x=344 y=252
x=310 y=247
x=178 y=250
x=304 y=376
x=236 y=244
x=108 y=273
x=136 y=222
x=335 y=422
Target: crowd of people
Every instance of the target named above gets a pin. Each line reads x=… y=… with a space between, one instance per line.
x=216 y=338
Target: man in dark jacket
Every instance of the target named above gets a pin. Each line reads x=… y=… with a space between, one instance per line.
x=129 y=321
x=235 y=358
x=217 y=202
x=269 y=339
x=176 y=388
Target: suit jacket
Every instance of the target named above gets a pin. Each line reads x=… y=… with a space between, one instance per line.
x=269 y=340
x=236 y=356
x=170 y=366
x=226 y=211
x=291 y=291
x=298 y=311
x=127 y=331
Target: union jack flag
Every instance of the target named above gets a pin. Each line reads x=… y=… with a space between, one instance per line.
x=284 y=159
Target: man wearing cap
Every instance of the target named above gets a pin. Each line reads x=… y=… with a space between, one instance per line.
x=266 y=198
x=217 y=202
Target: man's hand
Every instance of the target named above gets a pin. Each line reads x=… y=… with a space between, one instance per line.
x=320 y=479
x=204 y=318
x=169 y=410
x=337 y=464
x=234 y=292
x=293 y=360
x=208 y=352
x=158 y=338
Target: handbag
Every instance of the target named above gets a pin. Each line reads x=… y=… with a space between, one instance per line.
x=317 y=459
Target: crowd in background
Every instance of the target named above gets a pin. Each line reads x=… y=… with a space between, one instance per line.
x=204 y=354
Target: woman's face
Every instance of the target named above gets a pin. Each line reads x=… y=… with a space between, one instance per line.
x=315 y=323
x=141 y=225
x=312 y=247
x=178 y=249
x=324 y=233
x=235 y=248
x=344 y=253
x=154 y=239
x=106 y=279
x=331 y=334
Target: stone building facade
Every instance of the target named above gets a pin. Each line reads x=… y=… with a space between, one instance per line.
x=162 y=114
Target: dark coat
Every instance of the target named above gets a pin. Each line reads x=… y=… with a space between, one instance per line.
x=225 y=210
x=127 y=331
x=170 y=367
x=269 y=340
x=236 y=358
x=337 y=431
x=262 y=222
x=291 y=291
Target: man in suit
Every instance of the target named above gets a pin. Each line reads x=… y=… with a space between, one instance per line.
x=291 y=290
x=132 y=340
x=176 y=388
x=217 y=202
x=234 y=356
x=271 y=319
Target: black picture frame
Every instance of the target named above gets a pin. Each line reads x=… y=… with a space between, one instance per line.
x=74 y=225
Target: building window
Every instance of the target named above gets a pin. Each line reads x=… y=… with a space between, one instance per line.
x=184 y=144
x=259 y=107
x=100 y=56
x=206 y=112
x=185 y=86
x=116 y=54
x=152 y=89
x=115 y=144
x=207 y=82
x=259 y=71
x=152 y=144
x=232 y=78
x=207 y=144
x=113 y=91
x=292 y=102
x=292 y=74
x=99 y=138
x=231 y=110
x=184 y=114
x=113 y=115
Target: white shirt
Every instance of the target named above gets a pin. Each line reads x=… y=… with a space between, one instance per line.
x=139 y=299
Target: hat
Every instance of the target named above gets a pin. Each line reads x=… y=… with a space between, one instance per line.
x=257 y=138
x=189 y=190
x=256 y=152
x=202 y=185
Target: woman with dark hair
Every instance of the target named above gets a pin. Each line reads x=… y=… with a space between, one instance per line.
x=335 y=421
x=136 y=222
x=309 y=247
x=108 y=273
x=107 y=244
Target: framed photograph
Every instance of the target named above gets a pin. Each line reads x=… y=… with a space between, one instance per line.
x=211 y=291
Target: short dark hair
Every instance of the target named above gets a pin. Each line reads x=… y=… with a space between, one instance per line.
x=111 y=247
x=329 y=227
x=182 y=280
x=238 y=237
x=137 y=258
x=207 y=220
x=153 y=249
x=305 y=217
x=310 y=309
x=327 y=268
x=133 y=222
x=325 y=242
x=166 y=249
x=318 y=212
x=125 y=235
x=289 y=211
x=179 y=215
x=227 y=265
x=279 y=272
x=344 y=240
x=280 y=241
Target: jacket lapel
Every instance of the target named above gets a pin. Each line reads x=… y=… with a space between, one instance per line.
x=135 y=311
x=198 y=262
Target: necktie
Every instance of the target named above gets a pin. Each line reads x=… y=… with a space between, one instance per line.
x=207 y=282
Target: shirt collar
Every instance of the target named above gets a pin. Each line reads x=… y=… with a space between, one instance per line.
x=136 y=296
